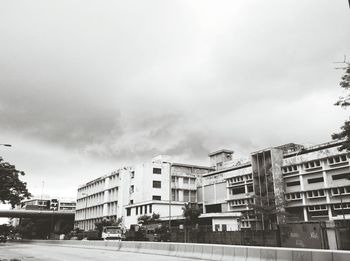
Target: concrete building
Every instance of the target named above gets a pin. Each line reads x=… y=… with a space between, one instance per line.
x=300 y=183
x=304 y=183
x=43 y=203
x=159 y=186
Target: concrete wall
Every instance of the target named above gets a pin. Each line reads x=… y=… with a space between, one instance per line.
x=207 y=251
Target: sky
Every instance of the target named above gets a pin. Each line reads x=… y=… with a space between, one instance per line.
x=87 y=87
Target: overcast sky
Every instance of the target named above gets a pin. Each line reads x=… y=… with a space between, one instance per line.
x=90 y=86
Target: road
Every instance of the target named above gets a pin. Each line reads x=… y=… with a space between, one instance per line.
x=28 y=252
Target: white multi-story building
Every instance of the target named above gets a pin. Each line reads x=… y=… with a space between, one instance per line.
x=158 y=186
x=309 y=183
x=42 y=202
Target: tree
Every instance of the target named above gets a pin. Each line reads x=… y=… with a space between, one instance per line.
x=267 y=210
x=104 y=223
x=146 y=219
x=12 y=189
x=5 y=229
x=344 y=102
x=191 y=213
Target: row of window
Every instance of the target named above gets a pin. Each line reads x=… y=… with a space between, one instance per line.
x=312 y=164
x=245 y=224
x=317 y=208
x=318 y=193
x=240 y=190
x=140 y=210
x=341 y=206
x=188 y=195
x=315 y=194
x=337 y=159
x=94 y=199
x=289 y=169
x=324 y=207
x=240 y=178
x=319 y=179
x=292 y=196
x=91 y=188
x=315 y=164
x=185 y=180
x=340 y=190
x=241 y=202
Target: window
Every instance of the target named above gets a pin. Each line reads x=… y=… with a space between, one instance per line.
x=145 y=209
x=238 y=190
x=337 y=159
x=157 y=171
x=315 y=194
x=186 y=195
x=157 y=184
x=217 y=227
x=137 y=210
x=128 y=211
x=250 y=188
x=173 y=197
x=340 y=190
x=290 y=169
x=293 y=196
x=293 y=183
x=131 y=201
x=132 y=189
x=193 y=196
x=341 y=176
x=193 y=181
x=315 y=180
x=224 y=227
x=132 y=174
x=150 y=209
x=312 y=164
x=141 y=210
x=156 y=198
x=185 y=180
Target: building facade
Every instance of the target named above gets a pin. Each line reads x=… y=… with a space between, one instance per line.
x=159 y=186
x=300 y=183
x=297 y=183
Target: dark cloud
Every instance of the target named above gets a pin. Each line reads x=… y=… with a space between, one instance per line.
x=122 y=82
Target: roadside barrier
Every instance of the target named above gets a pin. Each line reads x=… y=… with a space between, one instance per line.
x=207 y=251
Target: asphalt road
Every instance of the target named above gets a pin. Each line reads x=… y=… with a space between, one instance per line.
x=28 y=252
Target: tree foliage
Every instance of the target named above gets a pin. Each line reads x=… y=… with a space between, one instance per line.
x=344 y=102
x=267 y=210
x=146 y=219
x=191 y=213
x=104 y=223
x=12 y=189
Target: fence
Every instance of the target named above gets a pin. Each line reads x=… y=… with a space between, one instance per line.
x=248 y=238
x=300 y=235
